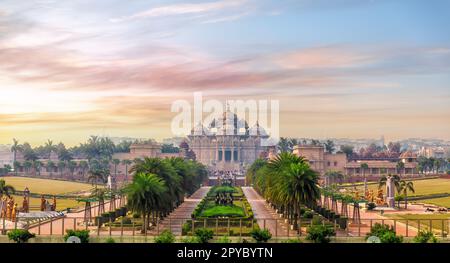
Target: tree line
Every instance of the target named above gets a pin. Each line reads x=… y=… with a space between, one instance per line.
x=287 y=181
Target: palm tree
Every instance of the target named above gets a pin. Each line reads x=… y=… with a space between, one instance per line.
x=287 y=182
x=50 y=167
x=401 y=168
x=334 y=176
x=37 y=167
x=145 y=195
x=72 y=165
x=61 y=167
x=126 y=163
x=14 y=148
x=404 y=188
x=164 y=170
x=99 y=174
x=83 y=165
x=16 y=165
x=363 y=168
x=6 y=189
x=27 y=165
x=115 y=162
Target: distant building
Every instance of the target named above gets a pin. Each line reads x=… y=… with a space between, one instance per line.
x=320 y=160
x=6 y=156
x=227 y=143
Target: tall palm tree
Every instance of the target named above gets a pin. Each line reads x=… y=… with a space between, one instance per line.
x=404 y=188
x=126 y=163
x=115 y=163
x=27 y=165
x=400 y=168
x=61 y=166
x=165 y=171
x=396 y=179
x=15 y=148
x=50 y=167
x=72 y=165
x=83 y=165
x=16 y=165
x=37 y=167
x=99 y=174
x=145 y=195
x=6 y=189
x=363 y=168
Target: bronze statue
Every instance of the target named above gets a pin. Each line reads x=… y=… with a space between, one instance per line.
x=54 y=204
x=14 y=212
x=43 y=203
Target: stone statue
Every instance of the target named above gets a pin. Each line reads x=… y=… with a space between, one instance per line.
x=390 y=191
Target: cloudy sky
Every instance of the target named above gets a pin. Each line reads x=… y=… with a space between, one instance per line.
x=355 y=69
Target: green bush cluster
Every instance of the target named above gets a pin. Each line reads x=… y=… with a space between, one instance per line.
x=165 y=237
x=332 y=216
x=371 y=206
x=204 y=235
x=111 y=216
x=320 y=233
x=261 y=236
x=20 y=235
x=425 y=237
x=83 y=235
x=385 y=233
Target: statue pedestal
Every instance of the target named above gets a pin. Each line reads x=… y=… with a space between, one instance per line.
x=390 y=201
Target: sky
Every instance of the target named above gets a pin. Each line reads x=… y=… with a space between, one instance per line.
x=340 y=69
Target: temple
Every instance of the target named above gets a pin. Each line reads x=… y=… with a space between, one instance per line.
x=227 y=143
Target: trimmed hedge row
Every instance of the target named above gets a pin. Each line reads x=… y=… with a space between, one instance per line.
x=332 y=216
x=110 y=216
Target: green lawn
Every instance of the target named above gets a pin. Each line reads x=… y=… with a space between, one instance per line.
x=422 y=187
x=213 y=210
x=46 y=186
x=444 y=201
x=424 y=219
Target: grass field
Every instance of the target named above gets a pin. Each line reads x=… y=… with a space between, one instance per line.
x=444 y=201
x=422 y=187
x=46 y=186
x=424 y=219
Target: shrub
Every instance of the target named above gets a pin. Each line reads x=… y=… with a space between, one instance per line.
x=261 y=236
x=385 y=233
x=316 y=220
x=126 y=221
x=110 y=240
x=308 y=214
x=165 y=237
x=223 y=239
x=371 y=206
x=189 y=240
x=83 y=235
x=185 y=228
x=320 y=233
x=425 y=237
x=292 y=241
x=136 y=215
x=204 y=235
x=20 y=235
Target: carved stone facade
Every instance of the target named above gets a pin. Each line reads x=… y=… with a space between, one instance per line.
x=227 y=143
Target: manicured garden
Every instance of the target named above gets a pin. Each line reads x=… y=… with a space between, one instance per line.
x=225 y=211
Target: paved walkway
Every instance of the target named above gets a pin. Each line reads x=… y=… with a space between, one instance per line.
x=178 y=217
x=265 y=215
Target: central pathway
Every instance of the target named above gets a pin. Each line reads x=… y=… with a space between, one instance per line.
x=178 y=217
x=265 y=215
